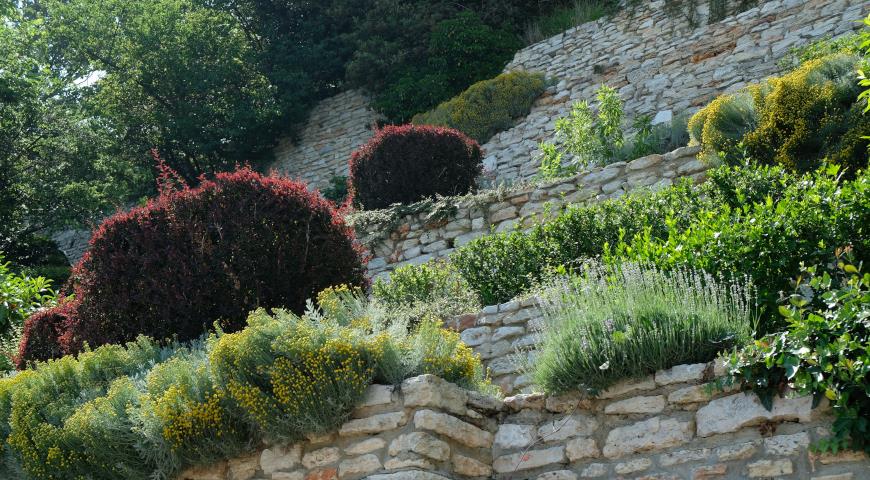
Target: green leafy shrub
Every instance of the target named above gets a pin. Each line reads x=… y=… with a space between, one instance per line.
x=849 y=44
x=489 y=106
x=825 y=352
x=765 y=240
x=164 y=408
x=337 y=189
x=424 y=283
x=20 y=297
x=608 y=325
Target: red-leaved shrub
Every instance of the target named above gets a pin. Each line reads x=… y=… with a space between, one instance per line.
x=194 y=256
x=409 y=163
x=45 y=334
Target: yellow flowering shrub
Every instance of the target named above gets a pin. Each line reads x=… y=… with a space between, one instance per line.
x=488 y=106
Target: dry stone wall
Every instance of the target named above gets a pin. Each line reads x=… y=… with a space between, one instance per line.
x=669 y=426
x=661 y=63
x=419 y=238
x=335 y=128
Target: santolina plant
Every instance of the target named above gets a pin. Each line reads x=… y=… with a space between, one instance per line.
x=163 y=408
x=610 y=324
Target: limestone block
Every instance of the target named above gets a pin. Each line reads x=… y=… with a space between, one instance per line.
x=433 y=391
x=681 y=374
x=632 y=466
x=529 y=460
x=582 y=448
x=377 y=395
x=422 y=443
x=361 y=465
x=786 y=445
x=365 y=446
x=769 y=468
x=244 y=468
x=279 y=457
x=626 y=387
x=651 y=404
x=470 y=467
x=558 y=475
x=373 y=424
x=653 y=434
x=321 y=457
x=567 y=427
x=452 y=427
x=729 y=414
x=515 y=436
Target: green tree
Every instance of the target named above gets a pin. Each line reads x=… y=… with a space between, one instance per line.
x=178 y=76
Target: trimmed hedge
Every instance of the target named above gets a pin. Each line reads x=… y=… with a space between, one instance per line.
x=211 y=253
x=409 y=163
x=488 y=106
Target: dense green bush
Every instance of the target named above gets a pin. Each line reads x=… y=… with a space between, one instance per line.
x=567 y=16
x=163 y=408
x=824 y=353
x=744 y=221
x=798 y=120
x=814 y=215
x=488 y=106
x=609 y=325
x=20 y=297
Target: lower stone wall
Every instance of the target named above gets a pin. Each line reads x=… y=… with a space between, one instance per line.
x=670 y=426
x=418 y=238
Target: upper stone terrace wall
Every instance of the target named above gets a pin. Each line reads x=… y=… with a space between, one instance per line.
x=418 y=238
x=660 y=62
x=665 y=427
x=335 y=128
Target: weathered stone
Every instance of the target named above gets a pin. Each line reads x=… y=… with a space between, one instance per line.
x=361 y=465
x=683 y=456
x=567 y=427
x=409 y=461
x=244 y=468
x=422 y=443
x=731 y=413
x=581 y=448
x=366 y=446
x=321 y=457
x=374 y=424
x=558 y=475
x=681 y=374
x=594 y=470
x=470 y=467
x=515 y=436
x=653 y=404
x=786 y=445
x=533 y=401
x=740 y=451
x=409 y=475
x=297 y=475
x=632 y=466
x=709 y=471
x=507 y=332
x=653 y=434
x=769 y=468
x=377 y=395
x=280 y=457
x=452 y=427
x=432 y=391
x=568 y=402
x=626 y=387
x=323 y=474
x=528 y=460
x=842 y=456
x=476 y=336
x=841 y=476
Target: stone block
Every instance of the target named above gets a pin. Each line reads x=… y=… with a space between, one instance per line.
x=511 y=436
x=434 y=392
x=365 y=446
x=373 y=424
x=567 y=427
x=581 y=448
x=452 y=427
x=637 y=405
x=470 y=467
x=529 y=460
x=421 y=443
x=361 y=465
x=632 y=466
x=681 y=374
x=769 y=468
x=280 y=457
x=653 y=434
x=321 y=457
x=729 y=414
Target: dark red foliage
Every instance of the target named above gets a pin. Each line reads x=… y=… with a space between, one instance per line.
x=412 y=162
x=215 y=252
x=44 y=335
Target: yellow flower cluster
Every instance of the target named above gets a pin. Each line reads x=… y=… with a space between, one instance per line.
x=186 y=419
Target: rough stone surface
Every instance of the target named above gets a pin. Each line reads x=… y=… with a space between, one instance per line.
x=470 y=467
x=515 y=436
x=373 y=424
x=528 y=460
x=280 y=458
x=422 y=443
x=652 y=404
x=769 y=468
x=432 y=391
x=452 y=427
x=731 y=413
x=361 y=465
x=655 y=433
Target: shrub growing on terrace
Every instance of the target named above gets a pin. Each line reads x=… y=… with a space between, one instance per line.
x=606 y=325
x=409 y=163
x=214 y=252
x=488 y=106
x=165 y=407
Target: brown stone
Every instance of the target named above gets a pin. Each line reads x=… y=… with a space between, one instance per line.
x=323 y=474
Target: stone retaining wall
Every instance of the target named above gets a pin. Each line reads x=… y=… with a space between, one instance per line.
x=335 y=128
x=661 y=64
x=418 y=238
x=669 y=426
